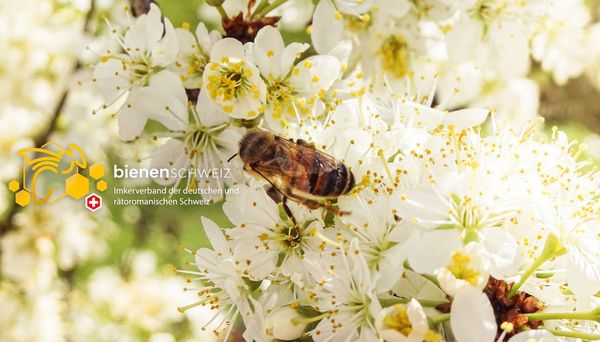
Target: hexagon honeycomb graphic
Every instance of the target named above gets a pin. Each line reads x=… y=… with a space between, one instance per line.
x=13 y=186
x=96 y=171
x=77 y=186
x=101 y=185
x=23 y=198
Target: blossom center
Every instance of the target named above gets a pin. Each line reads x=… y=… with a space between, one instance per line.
x=196 y=64
x=280 y=95
x=398 y=320
x=375 y=253
x=460 y=268
x=466 y=214
x=394 y=55
x=201 y=138
x=230 y=81
x=422 y=7
x=358 y=23
x=142 y=70
x=488 y=10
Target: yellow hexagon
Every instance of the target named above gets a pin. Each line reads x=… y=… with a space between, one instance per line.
x=77 y=186
x=96 y=171
x=101 y=185
x=13 y=185
x=23 y=197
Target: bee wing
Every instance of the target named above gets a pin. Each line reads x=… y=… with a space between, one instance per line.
x=298 y=163
x=325 y=162
x=308 y=157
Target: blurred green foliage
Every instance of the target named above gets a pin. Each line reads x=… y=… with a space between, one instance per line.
x=181 y=11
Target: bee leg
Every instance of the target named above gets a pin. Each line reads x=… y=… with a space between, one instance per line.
x=290 y=215
x=312 y=204
x=274 y=193
x=334 y=209
x=327 y=205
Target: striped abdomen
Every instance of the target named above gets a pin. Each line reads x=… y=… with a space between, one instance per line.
x=319 y=174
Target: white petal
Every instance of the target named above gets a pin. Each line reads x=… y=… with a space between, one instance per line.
x=327 y=30
x=208 y=113
x=154 y=25
x=167 y=82
x=186 y=41
x=342 y=51
x=503 y=252
x=426 y=252
x=206 y=39
x=131 y=123
x=167 y=105
x=215 y=236
x=111 y=80
x=421 y=204
x=228 y=47
x=466 y=118
x=165 y=52
x=269 y=39
x=462 y=41
x=509 y=50
x=169 y=155
x=417 y=319
x=583 y=270
x=244 y=208
x=290 y=54
x=472 y=317
x=263 y=62
x=354 y=7
x=315 y=73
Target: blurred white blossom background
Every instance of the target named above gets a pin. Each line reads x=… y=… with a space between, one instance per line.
x=447 y=113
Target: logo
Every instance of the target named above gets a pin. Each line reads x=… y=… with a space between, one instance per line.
x=52 y=172
x=93 y=202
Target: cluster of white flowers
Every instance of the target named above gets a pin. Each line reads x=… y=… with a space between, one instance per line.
x=132 y=307
x=449 y=233
x=459 y=226
x=443 y=218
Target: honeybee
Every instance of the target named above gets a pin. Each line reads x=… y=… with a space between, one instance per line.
x=296 y=169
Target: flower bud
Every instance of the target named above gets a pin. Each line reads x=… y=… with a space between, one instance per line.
x=284 y=324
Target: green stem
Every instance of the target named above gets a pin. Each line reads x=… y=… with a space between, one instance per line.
x=261 y=5
x=593 y=315
x=308 y=320
x=269 y=8
x=424 y=302
x=552 y=248
x=575 y=334
x=439 y=318
x=222 y=12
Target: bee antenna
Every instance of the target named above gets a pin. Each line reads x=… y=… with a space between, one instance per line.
x=233 y=156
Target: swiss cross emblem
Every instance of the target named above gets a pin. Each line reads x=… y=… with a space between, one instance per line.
x=93 y=202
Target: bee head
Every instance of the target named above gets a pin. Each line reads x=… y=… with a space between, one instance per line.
x=254 y=145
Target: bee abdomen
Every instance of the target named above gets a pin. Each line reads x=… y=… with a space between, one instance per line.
x=334 y=182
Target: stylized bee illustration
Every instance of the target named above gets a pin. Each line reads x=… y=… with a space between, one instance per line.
x=43 y=159
x=296 y=169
